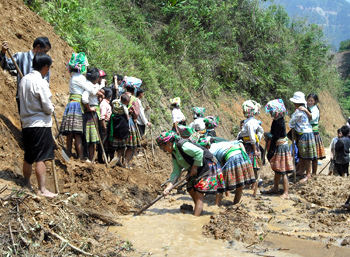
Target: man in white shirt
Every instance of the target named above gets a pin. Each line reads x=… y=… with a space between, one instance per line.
x=35 y=112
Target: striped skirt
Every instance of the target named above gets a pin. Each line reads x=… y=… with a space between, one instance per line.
x=238 y=172
x=72 y=120
x=90 y=129
x=307 y=146
x=211 y=181
x=132 y=141
x=255 y=161
x=321 y=153
x=282 y=160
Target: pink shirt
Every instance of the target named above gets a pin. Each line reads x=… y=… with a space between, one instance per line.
x=105 y=110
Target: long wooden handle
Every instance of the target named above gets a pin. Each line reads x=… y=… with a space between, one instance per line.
x=152 y=143
x=14 y=62
x=55 y=176
x=293 y=151
x=161 y=196
x=144 y=150
x=99 y=138
x=324 y=167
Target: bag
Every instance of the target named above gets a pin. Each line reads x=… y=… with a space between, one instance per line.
x=131 y=81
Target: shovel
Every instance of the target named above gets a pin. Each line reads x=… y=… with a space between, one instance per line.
x=161 y=196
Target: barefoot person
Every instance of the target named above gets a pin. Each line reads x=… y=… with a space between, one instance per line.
x=206 y=175
x=305 y=136
x=279 y=154
x=236 y=167
x=35 y=112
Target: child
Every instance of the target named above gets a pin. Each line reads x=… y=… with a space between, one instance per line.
x=92 y=109
x=332 y=146
x=119 y=127
x=279 y=154
x=105 y=114
x=133 y=140
x=177 y=116
x=313 y=113
x=342 y=149
x=35 y=112
x=305 y=136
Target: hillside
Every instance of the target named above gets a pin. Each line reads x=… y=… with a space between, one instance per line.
x=332 y=15
x=113 y=193
x=342 y=61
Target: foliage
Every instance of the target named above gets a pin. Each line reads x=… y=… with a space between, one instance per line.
x=179 y=48
x=344 y=45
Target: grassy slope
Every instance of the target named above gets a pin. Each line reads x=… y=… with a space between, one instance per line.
x=206 y=52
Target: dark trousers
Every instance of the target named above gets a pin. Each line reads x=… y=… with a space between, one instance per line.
x=342 y=169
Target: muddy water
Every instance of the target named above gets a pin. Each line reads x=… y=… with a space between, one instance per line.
x=164 y=231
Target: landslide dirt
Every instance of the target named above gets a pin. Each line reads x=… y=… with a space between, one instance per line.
x=92 y=195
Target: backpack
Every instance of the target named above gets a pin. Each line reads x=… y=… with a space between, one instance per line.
x=206 y=155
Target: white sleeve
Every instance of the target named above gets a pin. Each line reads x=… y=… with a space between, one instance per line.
x=85 y=97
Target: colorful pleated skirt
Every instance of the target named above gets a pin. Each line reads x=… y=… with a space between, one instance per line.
x=211 y=181
x=238 y=172
x=250 y=151
x=132 y=141
x=72 y=120
x=321 y=153
x=90 y=128
x=282 y=160
x=307 y=146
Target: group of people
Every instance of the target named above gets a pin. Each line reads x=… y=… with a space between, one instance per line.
x=113 y=114
x=216 y=165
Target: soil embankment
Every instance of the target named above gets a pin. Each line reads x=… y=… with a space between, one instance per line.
x=93 y=195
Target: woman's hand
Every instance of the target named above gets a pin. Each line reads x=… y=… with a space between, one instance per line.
x=256 y=154
x=194 y=170
x=302 y=108
x=166 y=191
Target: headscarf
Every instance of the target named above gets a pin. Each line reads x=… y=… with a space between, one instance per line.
x=199 y=111
x=211 y=122
x=250 y=108
x=176 y=101
x=185 y=131
x=205 y=141
x=276 y=108
x=78 y=61
x=165 y=137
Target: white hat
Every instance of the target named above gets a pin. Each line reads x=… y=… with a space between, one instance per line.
x=298 y=98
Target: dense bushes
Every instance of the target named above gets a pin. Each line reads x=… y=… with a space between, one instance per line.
x=180 y=47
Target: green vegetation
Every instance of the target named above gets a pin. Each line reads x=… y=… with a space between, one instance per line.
x=181 y=47
x=344 y=45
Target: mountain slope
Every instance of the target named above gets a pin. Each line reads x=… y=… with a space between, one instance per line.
x=332 y=15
